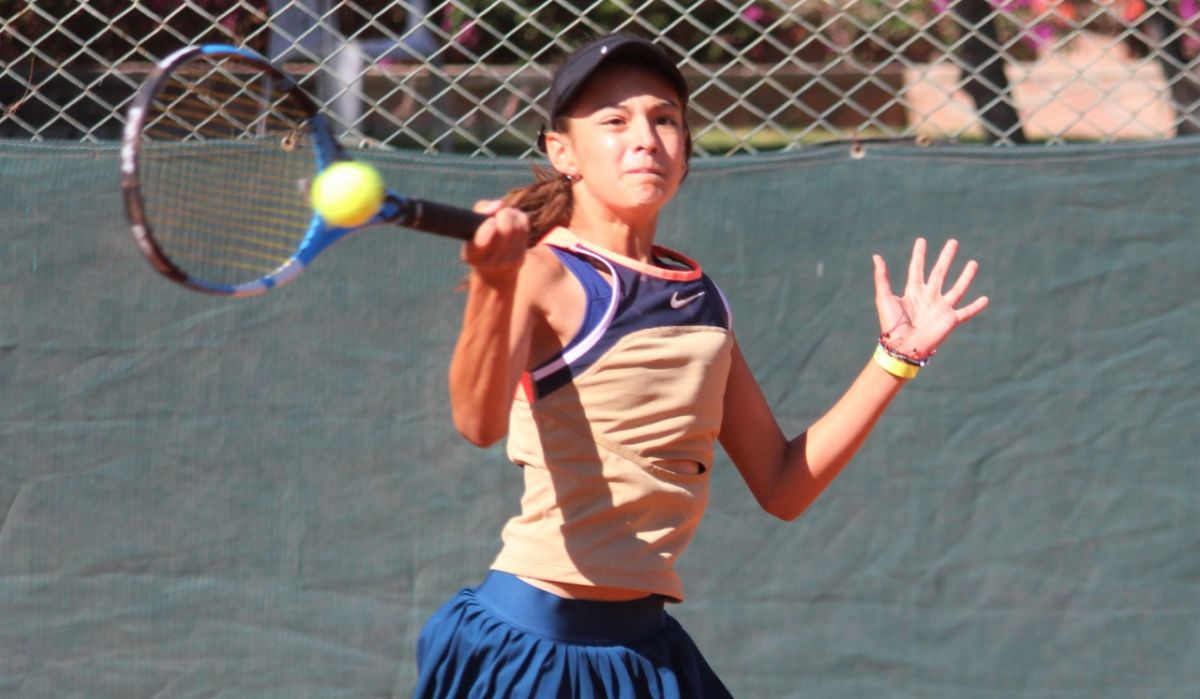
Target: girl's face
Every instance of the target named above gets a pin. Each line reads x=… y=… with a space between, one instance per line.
x=626 y=140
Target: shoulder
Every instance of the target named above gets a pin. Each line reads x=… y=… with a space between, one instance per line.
x=554 y=298
x=544 y=282
x=542 y=268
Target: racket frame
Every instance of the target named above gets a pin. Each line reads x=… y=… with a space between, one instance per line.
x=429 y=217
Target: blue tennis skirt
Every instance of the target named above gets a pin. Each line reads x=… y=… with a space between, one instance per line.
x=507 y=638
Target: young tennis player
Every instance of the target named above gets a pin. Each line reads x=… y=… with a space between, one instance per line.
x=610 y=364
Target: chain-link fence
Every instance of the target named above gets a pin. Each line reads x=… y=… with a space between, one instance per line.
x=470 y=75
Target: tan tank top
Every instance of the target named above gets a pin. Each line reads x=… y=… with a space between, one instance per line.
x=616 y=434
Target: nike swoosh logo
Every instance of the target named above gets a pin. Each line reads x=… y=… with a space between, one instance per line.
x=677 y=302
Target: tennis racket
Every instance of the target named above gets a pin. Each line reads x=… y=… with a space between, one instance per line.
x=217 y=155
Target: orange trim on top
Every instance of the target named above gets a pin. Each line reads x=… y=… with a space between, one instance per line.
x=564 y=237
x=525 y=387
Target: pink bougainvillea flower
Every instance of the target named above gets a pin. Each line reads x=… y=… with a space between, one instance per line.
x=754 y=13
x=469 y=35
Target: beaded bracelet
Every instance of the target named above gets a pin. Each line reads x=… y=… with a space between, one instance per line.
x=895 y=366
x=883 y=342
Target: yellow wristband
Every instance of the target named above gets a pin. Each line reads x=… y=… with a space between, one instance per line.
x=893 y=366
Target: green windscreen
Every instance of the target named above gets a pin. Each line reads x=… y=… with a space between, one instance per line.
x=266 y=497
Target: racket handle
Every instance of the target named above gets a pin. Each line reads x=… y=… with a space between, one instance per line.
x=440 y=219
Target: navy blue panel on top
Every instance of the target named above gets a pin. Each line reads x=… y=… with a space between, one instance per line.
x=644 y=302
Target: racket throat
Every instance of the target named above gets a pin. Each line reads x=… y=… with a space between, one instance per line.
x=400 y=211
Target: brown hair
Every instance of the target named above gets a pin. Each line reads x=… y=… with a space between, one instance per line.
x=547 y=201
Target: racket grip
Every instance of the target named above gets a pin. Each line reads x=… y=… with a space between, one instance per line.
x=440 y=219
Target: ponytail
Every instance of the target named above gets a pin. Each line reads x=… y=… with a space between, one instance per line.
x=547 y=202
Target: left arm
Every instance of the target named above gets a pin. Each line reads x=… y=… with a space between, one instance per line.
x=786 y=475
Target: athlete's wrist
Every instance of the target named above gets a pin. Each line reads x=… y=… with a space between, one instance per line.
x=896 y=366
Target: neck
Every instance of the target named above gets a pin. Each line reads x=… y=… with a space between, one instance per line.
x=632 y=238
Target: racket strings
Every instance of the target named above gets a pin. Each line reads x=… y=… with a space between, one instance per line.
x=210 y=114
x=210 y=170
x=228 y=214
x=225 y=160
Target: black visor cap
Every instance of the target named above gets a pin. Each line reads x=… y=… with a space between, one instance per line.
x=581 y=65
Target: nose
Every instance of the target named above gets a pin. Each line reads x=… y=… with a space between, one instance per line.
x=646 y=136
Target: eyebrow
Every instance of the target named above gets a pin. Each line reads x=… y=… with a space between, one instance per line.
x=674 y=103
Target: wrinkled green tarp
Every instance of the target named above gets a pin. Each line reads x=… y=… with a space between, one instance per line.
x=265 y=497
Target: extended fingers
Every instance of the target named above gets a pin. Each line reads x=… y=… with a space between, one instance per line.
x=941 y=267
x=916 y=267
x=959 y=290
x=883 y=284
x=971 y=310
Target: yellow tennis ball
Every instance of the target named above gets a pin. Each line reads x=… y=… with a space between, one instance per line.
x=347 y=194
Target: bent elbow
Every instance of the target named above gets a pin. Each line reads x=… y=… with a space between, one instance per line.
x=785 y=509
x=785 y=514
x=480 y=439
x=479 y=432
